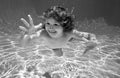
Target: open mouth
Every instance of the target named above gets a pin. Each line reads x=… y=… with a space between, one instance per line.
x=51 y=31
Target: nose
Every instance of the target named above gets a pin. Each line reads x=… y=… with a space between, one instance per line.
x=51 y=27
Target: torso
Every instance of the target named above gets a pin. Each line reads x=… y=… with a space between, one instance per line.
x=55 y=43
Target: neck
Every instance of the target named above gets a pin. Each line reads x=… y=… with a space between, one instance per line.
x=61 y=36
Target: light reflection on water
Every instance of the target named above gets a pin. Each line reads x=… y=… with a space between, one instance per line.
x=102 y=61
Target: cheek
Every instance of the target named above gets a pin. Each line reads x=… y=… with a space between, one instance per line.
x=60 y=30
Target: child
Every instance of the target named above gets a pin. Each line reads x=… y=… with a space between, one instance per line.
x=58 y=29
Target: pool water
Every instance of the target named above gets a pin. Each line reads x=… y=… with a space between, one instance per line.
x=102 y=60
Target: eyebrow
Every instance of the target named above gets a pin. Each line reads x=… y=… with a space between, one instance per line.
x=57 y=23
x=53 y=24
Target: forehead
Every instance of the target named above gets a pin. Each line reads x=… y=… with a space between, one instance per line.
x=51 y=20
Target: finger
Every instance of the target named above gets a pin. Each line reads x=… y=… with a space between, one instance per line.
x=38 y=33
x=23 y=28
x=26 y=37
x=22 y=34
x=25 y=22
x=31 y=20
x=38 y=26
x=32 y=36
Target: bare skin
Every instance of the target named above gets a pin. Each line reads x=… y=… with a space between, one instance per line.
x=53 y=34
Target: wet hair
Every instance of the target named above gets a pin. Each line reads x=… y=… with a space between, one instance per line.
x=61 y=15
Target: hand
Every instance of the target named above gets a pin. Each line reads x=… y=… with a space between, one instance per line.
x=92 y=37
x=89 y=37
x=30 y=30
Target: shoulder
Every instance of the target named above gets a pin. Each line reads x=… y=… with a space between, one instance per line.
x=80 y=33
x=72 y=34
x=75 y=32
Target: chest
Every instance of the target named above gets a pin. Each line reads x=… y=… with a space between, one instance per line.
x=56 y=43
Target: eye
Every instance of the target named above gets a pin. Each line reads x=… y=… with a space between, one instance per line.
x=48 y=23
x=56 y=24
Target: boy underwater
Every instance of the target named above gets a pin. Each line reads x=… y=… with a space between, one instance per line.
x=58 y=29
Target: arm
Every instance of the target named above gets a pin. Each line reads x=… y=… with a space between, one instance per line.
x=90 y=39
x=84 y=36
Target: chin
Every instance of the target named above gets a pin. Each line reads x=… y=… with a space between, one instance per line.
x=55 y=36
x=52 y=35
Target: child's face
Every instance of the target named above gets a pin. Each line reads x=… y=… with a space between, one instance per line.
x=54 y=29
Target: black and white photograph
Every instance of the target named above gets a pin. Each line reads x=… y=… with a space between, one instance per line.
x=59 y=38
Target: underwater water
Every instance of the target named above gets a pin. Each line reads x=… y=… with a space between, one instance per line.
x=38 y=61
x=102 y=60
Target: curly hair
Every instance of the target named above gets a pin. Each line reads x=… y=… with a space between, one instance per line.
x=61 y=15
